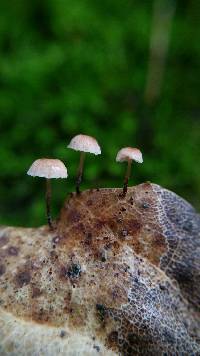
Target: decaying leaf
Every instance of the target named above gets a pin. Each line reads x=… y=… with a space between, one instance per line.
x=118 y=276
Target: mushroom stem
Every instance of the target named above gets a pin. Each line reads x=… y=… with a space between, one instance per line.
x=127 y=176
x=80 y=172
x=48 y=203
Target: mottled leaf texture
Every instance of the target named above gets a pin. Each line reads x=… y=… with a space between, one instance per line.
x=117 y=276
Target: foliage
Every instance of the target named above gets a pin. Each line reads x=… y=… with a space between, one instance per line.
x=80 y=66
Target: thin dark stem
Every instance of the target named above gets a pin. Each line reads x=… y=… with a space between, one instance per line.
x=48 y=203
x=127 y=176
x=80 y=172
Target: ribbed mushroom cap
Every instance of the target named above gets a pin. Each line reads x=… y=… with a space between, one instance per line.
x=85 y=143
x=48 y=168
x=129 y=153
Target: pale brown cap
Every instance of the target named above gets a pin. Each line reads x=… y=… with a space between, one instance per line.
x=85 y=143
x=48 y=168
x=129 y=153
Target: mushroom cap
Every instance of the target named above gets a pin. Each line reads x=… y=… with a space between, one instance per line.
x=48 y=168
x=85 y=143
x=129 y=153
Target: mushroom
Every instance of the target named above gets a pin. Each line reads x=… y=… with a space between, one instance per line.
x=128 y=154
x=83 y=143
x=48 y=168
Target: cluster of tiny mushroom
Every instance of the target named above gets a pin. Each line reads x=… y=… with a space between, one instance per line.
x=54 y=168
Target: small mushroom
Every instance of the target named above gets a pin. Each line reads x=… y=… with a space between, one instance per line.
x=128 y=154
x=48 y=168
x=84 y=144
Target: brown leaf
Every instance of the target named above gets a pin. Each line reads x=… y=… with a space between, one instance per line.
x=118 y=276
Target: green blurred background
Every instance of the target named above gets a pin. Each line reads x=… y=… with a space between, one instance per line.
x=125 y=72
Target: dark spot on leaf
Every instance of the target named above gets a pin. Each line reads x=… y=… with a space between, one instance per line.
x=131 y=200
x=101 y=310
x=13 y=251
x=36 y=292
x=162 y=286
x=72 y=272
x=62 y=333
x=2 y=270
x=53 y=256
x=96 y=348
x=103 y=255
x=23 y=278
